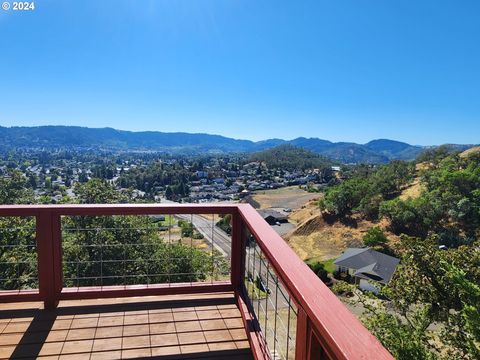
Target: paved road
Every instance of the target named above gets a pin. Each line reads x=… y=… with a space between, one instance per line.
x=222 y=242
x=218 y=238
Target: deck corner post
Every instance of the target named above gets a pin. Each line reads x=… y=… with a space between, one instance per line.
x=49 y=258
x=238 y=252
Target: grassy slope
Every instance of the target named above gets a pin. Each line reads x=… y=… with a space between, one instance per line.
x=470 y=151
x=315 y=238
x=288 y=197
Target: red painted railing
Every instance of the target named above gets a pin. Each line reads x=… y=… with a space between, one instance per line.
x=325 y=329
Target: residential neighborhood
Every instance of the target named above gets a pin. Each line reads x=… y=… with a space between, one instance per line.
x=53 y=175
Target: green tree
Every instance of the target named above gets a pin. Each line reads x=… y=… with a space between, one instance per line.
x=18 y=256
x=442 y=286
x=404 y=216
x=110 y=250
x=434 y=155
x=97 y=191
x=14 y=189
x=466 y=319
x=342 y=199
x=224 y=223
x=375 y=237
x=169 y=193
x=369 y=206
x=319 y=269
x=48 y=183
x=406 y=340
x=389 y=179
x=367 y=188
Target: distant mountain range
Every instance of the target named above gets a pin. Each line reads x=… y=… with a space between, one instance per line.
x=82 y=138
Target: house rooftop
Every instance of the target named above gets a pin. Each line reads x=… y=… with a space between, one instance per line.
x=273 y=213
x=369 y=264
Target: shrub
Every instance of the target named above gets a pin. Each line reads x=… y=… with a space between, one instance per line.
x=224 y=223
x=374 y=237
x=319 y=269
x=343 y=288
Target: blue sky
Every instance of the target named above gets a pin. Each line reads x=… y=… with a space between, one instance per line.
x=339 y=70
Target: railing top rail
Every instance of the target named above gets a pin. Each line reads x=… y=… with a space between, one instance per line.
x=117 y=209
x=343 y=335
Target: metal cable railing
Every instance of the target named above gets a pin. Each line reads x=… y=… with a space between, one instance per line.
x=81 y=250
x=271 y=305
x=134 y=250
x=18 y=254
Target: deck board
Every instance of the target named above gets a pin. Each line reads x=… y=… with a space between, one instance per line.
x=207 y=326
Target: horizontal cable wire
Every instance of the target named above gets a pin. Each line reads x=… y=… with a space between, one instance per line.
x=18 y=253
x=160 y=252
x=273 y=310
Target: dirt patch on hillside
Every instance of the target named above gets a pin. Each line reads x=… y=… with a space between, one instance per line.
x=316 y=238
x=308 y=210
x=325 y=244
x=471 y=151
x=413 y=191
x=310 y=226
x=423 y=166
x=289 y=197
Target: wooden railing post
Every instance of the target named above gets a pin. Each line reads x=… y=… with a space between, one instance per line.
x=57 y=253
x=301 y=338
x=47 y=235
x=307 y=345
x=238 y=252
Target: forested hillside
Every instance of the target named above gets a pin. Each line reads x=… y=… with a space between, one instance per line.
x=447 y=207
x=82 y=138
x=434 y=296
x=291 y=158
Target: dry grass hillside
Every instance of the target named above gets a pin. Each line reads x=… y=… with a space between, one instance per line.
x=288 y=197
x=415 y=188
x=314 y=237
x=412 y=191
x=471 y=151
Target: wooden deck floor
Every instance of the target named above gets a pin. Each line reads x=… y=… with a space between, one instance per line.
x=206 y=326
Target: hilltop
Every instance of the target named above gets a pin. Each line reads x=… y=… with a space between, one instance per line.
x=436 y=199
x=470 y=152
x=291 y=158
x=108 y=139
